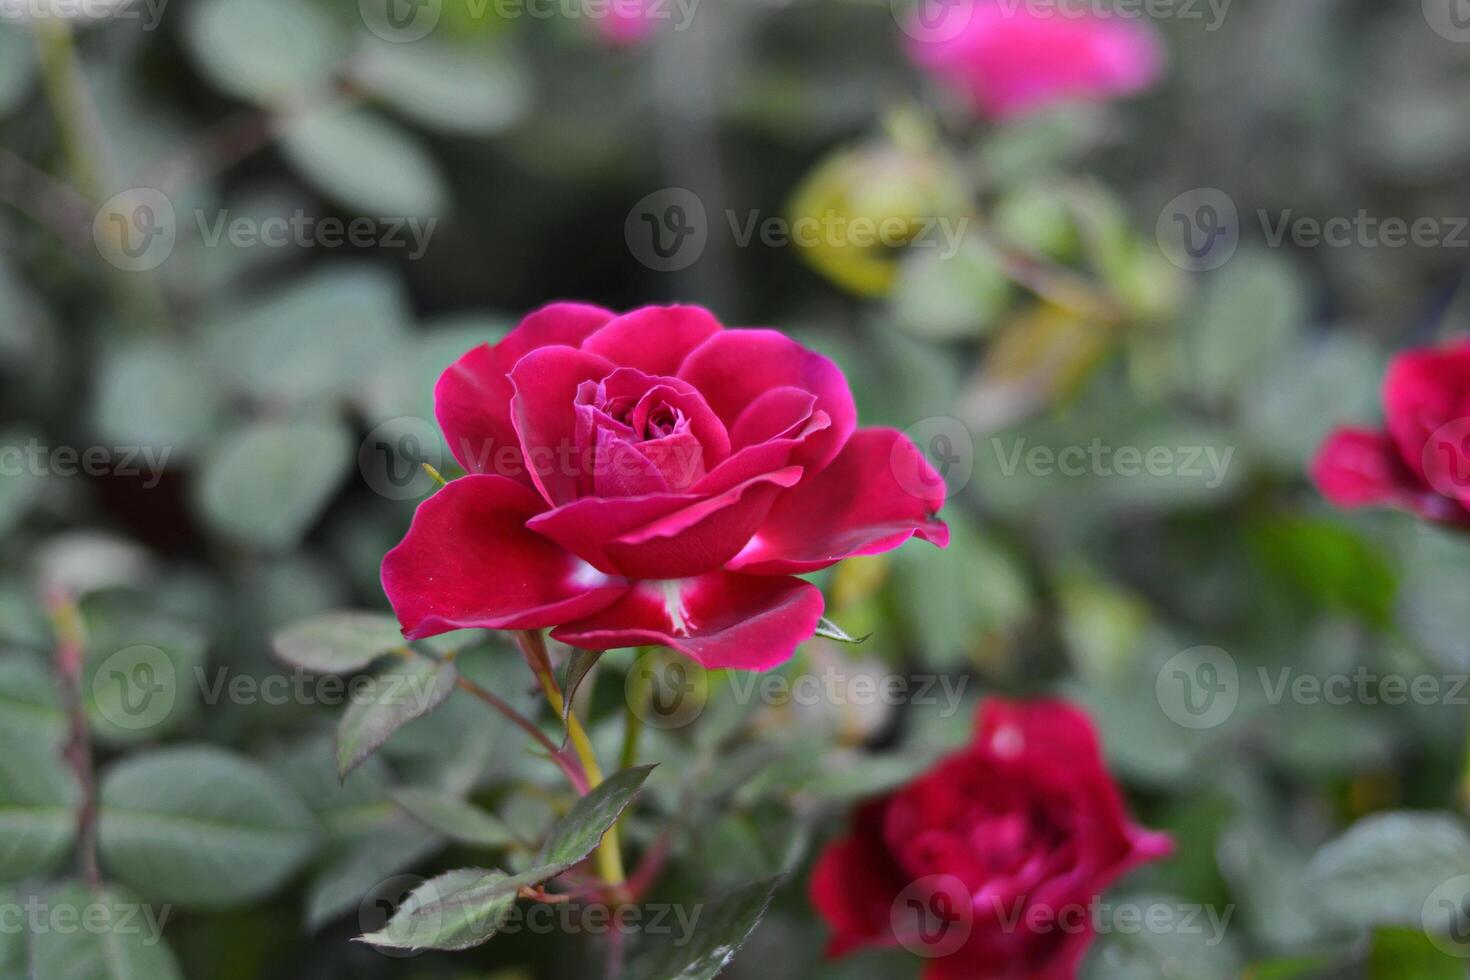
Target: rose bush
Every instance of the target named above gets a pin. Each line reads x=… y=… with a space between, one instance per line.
x=1420 y=462
x=1007 y=843
x=652 y=478
x=1009 y=59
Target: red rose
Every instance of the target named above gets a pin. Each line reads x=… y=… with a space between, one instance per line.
x=652 y=478
x=1421 y=464
x=990 y=862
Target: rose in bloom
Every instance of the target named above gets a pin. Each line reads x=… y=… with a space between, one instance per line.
x=1009 y=59
x=652 y=478
x=989 y=864
x=1421 y=461
x=628 y=22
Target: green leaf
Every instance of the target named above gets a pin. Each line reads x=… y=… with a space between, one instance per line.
x=159 y=395
x=831 y=631
x=365 y=163
x=1408 y=954
x=120 y=939
x=20 y=481
x=370 y=860
x=455 y=911
x=454 y=818
x=29 y=707
x=723 y=928
x=455 y=89
x=406 y=690
x=201 y=827
x=465 y=908
x=14 y=943
x=17 y=66
x=1329 y=563
x=941 y=296
x=1251 y=314
x=338 y=642
x=326 y=333
x=262 y=50
x=39 y=797
x=267 y=483
x=141 y=677
x=1383 y=870
x=578 y=668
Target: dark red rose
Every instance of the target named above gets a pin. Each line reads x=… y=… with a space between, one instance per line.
x=652 y=478
x=989 y=864
x=1421 y=463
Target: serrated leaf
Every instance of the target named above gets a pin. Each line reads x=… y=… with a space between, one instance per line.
x=831 y=631
x=405 y=690
x=202 y=827
x=465 y=908
x=454 y=818
x=1385 y=867
x=366 y=163
x=267 y=483
x=119 y=940
x=578 y=668
x=723 y=928
x=39 y=797
x=338 y=642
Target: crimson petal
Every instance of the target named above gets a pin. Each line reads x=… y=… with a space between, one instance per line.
x=721 y=620
x=655 y=339
x=468 y=561
x=544 y=410
x=1362 y=468
x=878 y=493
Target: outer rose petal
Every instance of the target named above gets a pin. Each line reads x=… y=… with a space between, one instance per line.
x=472 y=398
x=877 y=493
x=1425 y=391
x=655 y=339
x=734 y=368
x=855 y=883
x=1362 y=468
x=720 y=620
x=469 y=562
x=545 y=413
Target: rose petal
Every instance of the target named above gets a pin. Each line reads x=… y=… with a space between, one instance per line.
x=875 y=495
x=472 y=397
x=655 y=339
x=734 y=368
x=544 y=411
x=776 y=414
x=855 y=883
x=665 y=535
x=720 y=620
x=468 y=561
x=1423 y=391
x=1362 y=468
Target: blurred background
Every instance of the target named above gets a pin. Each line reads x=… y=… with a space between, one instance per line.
x=240 y=239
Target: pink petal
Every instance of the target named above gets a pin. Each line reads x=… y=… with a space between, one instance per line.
x=544 y=410
x=472 y=398
x=655 y=339
x=1424 y=393
x=735 y=368
x=468 y=561
x=1362 y=468
x=776 y=414
x=875 y=495
x=721 y=620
